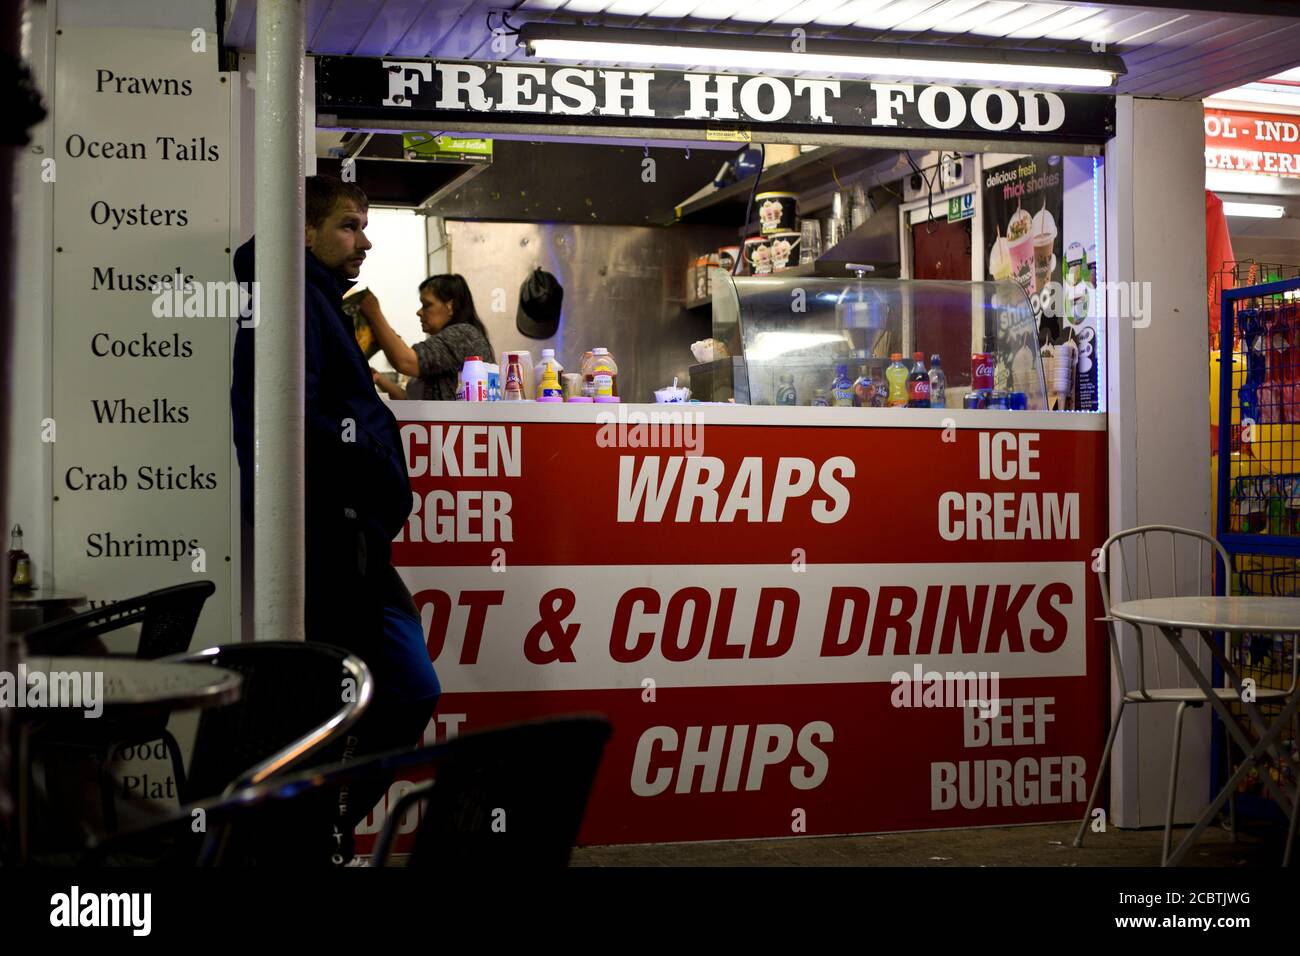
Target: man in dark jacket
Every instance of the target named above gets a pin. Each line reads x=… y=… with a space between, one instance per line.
x=357 y=494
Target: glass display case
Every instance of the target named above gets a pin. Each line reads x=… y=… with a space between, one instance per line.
x=787 y=337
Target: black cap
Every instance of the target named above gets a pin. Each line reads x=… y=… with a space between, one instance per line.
x=540 y=298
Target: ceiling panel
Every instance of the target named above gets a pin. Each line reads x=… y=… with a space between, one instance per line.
x=897 y=15
x=846 y=13
x=987 y=12
x=1064 y=19
x=317 y=13
x=1231 y=65
x=426 y=31
x=1169 y=52
x=344 y=24
x=809 y=10
x=674 y=9
x=763 y=11
x=1194 y=39
x=390 y=25
x=1026 y=14
x=1198 y=80
x=1147 y=28
x=1102 y=27
x=631 y=8
x=586 y=6
x=936 y=16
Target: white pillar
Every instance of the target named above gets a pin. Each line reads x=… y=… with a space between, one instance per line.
x=1158 y=403
x=279 y=355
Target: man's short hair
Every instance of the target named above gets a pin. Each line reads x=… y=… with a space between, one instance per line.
x=325 y=192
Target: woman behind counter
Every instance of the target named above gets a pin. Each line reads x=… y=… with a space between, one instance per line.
x=455 y=332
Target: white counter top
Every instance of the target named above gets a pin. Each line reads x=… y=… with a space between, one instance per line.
x=801 y=416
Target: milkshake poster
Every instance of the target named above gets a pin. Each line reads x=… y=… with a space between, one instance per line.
x=1022 y=212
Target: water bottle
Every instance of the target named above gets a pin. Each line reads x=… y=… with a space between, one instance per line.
x=938 y=384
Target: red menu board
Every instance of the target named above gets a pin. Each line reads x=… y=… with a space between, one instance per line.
x=792 y=629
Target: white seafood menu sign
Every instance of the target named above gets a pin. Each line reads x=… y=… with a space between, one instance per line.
x=142 y=455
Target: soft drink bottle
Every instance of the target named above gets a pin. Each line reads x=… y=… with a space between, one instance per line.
x=842 y=387
x=918 y=383
x=938 y=384
x=785 y=393
x=896 y=376
x=865 y=391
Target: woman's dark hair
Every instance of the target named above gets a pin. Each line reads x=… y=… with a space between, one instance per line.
x=454 y=289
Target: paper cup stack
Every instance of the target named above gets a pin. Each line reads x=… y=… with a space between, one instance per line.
x=1058 y=367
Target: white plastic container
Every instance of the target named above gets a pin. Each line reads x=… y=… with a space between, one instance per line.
x=474 y=380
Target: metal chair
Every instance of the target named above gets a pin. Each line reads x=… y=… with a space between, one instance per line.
x=297 y=698
x=538 y=773
x=1138 y=583
x=511 y=795
x=167 y=619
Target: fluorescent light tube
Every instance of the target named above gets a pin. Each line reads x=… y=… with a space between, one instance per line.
x=1254 y=210
x=869 y=65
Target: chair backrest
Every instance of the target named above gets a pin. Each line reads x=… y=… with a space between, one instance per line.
x=1153 y=561
x=167 y=618
x=512 y=795
x=294 y=701
x=539 y=773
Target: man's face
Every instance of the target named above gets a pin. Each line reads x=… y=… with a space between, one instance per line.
x=340 y=242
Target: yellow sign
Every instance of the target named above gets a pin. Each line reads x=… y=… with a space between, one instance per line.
x=728 y=135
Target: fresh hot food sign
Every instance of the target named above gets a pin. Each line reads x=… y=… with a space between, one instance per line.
x=424 y=91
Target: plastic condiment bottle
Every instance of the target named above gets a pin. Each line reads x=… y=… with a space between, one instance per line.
x=514 y=388
x=549 y=360
x=549 y=390
x=474 y=380
x=604 y=375
x=896 y=376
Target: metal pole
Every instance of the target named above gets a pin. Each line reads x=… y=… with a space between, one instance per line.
x=279 y=357
x=10 y=769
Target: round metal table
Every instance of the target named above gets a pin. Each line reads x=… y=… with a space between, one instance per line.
x=1234 y=615
x=125 y=688
x=129 y=683
x=32 y=608
x=1256 y=615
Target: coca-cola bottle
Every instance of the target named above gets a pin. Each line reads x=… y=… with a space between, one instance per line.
x=918 y=383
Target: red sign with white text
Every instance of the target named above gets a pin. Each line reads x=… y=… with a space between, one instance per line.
x=1252 y=142
x=792 y=629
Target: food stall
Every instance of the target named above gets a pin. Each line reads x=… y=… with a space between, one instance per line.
x=808 y=600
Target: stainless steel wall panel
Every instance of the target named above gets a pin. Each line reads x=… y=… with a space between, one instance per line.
x=624 y=289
